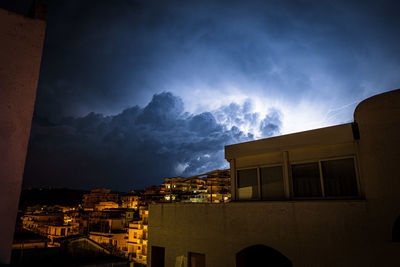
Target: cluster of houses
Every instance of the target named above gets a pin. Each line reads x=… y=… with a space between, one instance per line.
x=119 y=222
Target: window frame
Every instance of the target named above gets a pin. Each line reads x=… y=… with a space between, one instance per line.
x=319 y=162
x=291 y=180
x=259 y=189
x=288 y=179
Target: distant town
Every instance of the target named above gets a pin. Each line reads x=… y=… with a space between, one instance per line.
x=114 y=222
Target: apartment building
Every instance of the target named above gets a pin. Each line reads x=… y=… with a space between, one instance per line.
x=138 y=238
x=96 y=196
x=213 y=186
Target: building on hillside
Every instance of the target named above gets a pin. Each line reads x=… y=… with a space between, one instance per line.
x=218 y=185
x=116 y=242
x=106 y=205
x=58 y=231
x=138 y=238
x=39 y=222
x=212 y=186
x=130 y=201
x=96 y=196
x=50 y=225
x=325 y=197
x=107 y=221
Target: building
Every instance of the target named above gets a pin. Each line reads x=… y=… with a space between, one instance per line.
x=105 y=205
x=98 y=195
x=325 y=197
x=50 y=225
x=130 y=201
x=39 y=222
x=218 y=184
x=116 y=242
x=21 y=46
x=138 y=238
x=55 y=232
x=212 y=186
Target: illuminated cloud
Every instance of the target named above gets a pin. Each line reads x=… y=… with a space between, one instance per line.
x=140 y=146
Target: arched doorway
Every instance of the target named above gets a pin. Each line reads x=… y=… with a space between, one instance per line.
x=262 y=256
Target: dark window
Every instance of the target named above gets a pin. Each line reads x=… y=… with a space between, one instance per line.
x=157 y=256
x=339 y=177
x=306 y=180
x=272 y=183
x=247 y=184
x=196 y=260
x=62 y=231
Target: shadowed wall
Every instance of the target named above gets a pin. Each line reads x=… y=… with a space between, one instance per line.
x=21 y=45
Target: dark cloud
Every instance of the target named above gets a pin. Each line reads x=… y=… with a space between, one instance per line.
x=112 y=58
x=102 y=56
x=136 y=148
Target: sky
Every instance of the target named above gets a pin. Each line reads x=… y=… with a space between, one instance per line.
x=132 y=92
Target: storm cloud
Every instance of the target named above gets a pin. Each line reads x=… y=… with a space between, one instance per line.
x=242 y=70
x=314 y=57
x=140 y=146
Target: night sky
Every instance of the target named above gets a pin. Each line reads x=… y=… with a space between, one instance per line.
x=132 y=92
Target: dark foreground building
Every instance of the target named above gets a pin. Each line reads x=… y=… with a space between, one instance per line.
x=21 y=45
x=326 y=197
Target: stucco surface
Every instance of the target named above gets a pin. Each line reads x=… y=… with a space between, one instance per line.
x=309 y=233
x=21 y=45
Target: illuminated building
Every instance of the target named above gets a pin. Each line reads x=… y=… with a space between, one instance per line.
x=104 y=205
x=212 y=186
x=325 y=197
x=115 y=242
x=130 y=201
x=96 y=196
x=138 y=236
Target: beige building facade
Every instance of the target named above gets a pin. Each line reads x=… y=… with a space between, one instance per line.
x=138 y=238
x=325 y=197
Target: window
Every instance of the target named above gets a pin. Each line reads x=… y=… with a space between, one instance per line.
x=196 y=260
x=269 y=180
x=306 y=180
x=272 y=183
x=339 y=178
x=247 y=184
x=333 y=178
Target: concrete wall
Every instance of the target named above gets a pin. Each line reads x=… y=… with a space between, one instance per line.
x=21 y=45
x=309 y=232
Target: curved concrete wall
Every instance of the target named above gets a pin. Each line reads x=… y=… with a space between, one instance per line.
x=378 y=120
